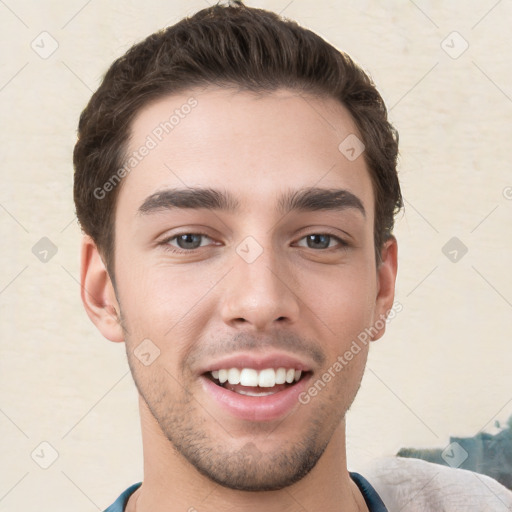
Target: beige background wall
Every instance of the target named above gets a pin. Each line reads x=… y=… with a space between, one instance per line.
x=443 y=367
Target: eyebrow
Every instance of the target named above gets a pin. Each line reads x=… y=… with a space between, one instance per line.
x=306 y=199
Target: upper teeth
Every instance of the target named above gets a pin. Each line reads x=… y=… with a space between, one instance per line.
x=266 y=378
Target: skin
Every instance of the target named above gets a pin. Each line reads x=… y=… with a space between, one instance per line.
x=210 y=302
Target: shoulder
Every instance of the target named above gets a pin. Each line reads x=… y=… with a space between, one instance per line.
x=120 y=504
x=413 y=485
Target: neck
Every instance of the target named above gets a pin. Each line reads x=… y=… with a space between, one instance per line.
x=172 y=484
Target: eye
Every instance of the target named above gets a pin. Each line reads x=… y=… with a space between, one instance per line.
x=185 y=242
x=322 y=241
x=188 y=242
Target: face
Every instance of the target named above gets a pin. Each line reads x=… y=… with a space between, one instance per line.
x=244 y=251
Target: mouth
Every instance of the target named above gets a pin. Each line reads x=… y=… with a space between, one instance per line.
x=255 y=386
x=252 y=394
x=256 y=383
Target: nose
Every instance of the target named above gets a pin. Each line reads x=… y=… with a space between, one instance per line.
x=260 y=294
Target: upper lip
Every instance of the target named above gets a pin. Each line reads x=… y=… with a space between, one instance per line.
x=258 y=362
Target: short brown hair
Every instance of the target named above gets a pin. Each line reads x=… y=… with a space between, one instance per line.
x=226 y=45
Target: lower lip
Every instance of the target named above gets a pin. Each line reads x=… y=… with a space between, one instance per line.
x=256 y=408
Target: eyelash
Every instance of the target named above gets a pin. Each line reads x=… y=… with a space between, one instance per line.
x=175 y=250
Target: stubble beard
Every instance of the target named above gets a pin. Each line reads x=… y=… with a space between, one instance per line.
x=189 y=430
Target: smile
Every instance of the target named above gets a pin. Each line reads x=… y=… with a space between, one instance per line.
x=252 y=382
x=252 y=395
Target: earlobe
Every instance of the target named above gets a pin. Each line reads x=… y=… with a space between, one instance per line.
x=386 y=277
x=97 y=292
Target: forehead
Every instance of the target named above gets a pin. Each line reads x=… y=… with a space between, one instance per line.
x=256 y=145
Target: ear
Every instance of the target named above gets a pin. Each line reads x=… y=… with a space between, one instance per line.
x=97 y=292
x=386 y=277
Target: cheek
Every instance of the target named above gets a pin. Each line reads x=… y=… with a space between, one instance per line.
x=343 y=299
x=159 y=301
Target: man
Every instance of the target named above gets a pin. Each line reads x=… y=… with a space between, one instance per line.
x=235 y=178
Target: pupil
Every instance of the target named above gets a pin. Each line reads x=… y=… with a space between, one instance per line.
x=185 y=241
x=316 y=238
